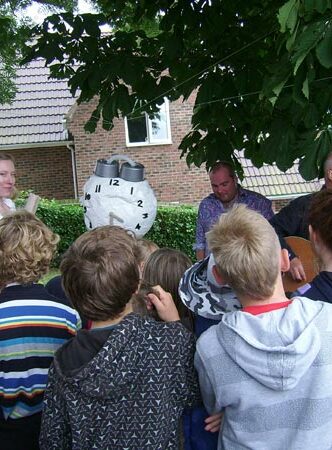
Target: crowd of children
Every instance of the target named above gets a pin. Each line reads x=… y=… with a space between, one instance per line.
x=134 y=377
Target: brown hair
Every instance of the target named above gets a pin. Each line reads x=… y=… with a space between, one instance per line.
x=223 y=165
x=100 y=272
x=144 y=248
x=6 y=157
x=328 y=163
x=320 y=216
x=165 y=267
x=27 y=247
x=246 y=250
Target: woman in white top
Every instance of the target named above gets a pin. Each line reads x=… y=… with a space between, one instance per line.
x=7 y=184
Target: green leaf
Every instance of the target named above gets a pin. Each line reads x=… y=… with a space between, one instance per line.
x=277 y=147
x=91 y=124
x=287 y=16
x=319 y=5
x=305 y=88
x=311 y=116
x=315 y=152
x=306 y=42
x=94 y=78
x=324 y=49
x=292 y=38
x=91 y=25
x=78 y=28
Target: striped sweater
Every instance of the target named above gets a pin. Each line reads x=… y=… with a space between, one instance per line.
x=33 y=325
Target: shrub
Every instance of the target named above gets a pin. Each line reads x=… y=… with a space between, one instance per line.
x=174 y=226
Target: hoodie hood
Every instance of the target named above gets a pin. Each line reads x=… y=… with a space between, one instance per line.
x=201 y=293
x=103 y=362
x=275 y=348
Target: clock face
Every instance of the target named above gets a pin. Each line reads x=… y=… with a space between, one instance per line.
x=115 y=201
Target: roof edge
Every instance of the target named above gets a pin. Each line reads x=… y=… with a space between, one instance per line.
x=286 y=196
x=35 y=145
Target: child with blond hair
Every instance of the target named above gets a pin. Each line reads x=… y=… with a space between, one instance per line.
x=267 y=366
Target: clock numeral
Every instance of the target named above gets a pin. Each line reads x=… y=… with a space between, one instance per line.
x=114 y=182
x=98 y=187
x=145 y=215
x=138 y=227
x=90 y=225
x=131 y=191
x=87 y=196
x=140 y=203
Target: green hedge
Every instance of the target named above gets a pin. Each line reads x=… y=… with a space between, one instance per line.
x=174 y=225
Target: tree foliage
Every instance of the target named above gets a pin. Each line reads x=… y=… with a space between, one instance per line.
x=14 y=32
x=261 y=70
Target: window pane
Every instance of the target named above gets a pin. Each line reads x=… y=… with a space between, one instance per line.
x=137 y=131
x=158 y=125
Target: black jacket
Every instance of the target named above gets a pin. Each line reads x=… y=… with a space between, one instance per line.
x=123 y=387
x=292 y=220
x=320 y=288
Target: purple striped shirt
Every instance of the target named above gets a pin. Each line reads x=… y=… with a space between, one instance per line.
x=211 y=208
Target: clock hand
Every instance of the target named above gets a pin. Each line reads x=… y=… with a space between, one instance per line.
x=114 y=216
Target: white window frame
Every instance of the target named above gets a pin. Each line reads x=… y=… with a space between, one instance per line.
x=150 y=140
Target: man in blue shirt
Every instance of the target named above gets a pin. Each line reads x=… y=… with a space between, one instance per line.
x=226 y=192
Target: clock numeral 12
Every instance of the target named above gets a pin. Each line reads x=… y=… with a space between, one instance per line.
x=114 y=182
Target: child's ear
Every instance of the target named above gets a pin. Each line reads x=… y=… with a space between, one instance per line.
x=284 y=260
x=313 y=235
x=217 y=276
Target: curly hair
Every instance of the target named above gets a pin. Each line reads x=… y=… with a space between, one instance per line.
x=27 y=247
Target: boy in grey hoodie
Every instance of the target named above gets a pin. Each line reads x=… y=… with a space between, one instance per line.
x=269 y=365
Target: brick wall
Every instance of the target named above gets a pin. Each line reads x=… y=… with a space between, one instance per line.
x=168 y=175
x=46 y=171
x=280 y=203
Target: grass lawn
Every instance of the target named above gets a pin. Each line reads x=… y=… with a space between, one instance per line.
x=52 y=273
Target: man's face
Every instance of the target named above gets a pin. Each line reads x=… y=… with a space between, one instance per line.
x=223 y=185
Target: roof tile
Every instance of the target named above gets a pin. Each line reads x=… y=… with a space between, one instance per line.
x=37 y=113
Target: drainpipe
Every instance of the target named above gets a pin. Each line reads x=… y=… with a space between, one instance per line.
x=71 y=148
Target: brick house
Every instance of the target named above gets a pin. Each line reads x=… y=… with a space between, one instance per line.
x=44 y=130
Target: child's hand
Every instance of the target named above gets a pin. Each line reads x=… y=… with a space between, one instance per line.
x=213 y=422
x=164 y=304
